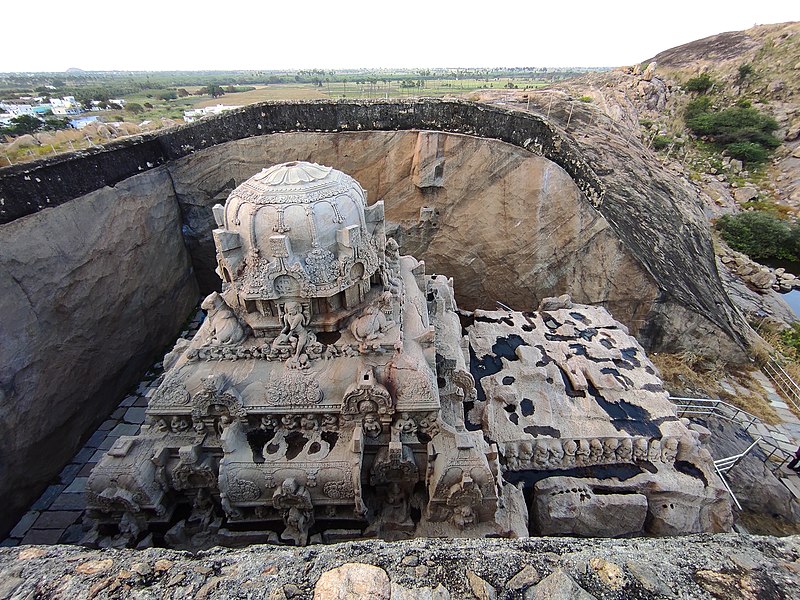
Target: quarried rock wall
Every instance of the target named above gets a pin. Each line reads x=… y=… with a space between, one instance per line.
x=506 y=224
x=93 y=290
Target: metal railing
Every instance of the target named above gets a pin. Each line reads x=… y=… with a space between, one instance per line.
x=776 y=455
x=784 y=382
x=723 y=465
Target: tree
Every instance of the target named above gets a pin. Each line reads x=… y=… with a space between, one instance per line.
x=24 y=124
x=54 y=123
x=134 y=108
x=758 y=234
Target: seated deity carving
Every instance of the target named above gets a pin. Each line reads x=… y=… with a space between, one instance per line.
x=372 y=426
x=395 y=507
x=294 y=335
x=224 y=326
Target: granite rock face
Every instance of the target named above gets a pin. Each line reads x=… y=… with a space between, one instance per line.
x=702 y=567
x=92 y=291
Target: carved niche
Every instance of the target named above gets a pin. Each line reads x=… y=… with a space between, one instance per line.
x=217 y=392
x=367 y=396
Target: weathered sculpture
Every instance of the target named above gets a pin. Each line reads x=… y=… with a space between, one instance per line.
x=330 y=394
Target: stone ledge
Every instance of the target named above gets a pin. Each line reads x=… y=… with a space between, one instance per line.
x=700 y=566
x=30 y=187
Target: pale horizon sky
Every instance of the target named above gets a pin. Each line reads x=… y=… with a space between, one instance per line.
x=146 y=35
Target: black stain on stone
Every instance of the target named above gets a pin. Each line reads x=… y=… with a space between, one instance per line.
x=579 y=317
x=551 y=323
x=623 y=364
x=514 y=418
x=653 y=387
x=627 y=417
x=619 y=472
x=257 y=439
x=631 y=355
x=570 y=391
x=588 y=333
x=545 y=360
x=607 y=343
x=527 y=407
x=328 y=337
x=557 y=337
x=508 y=380
x=467 y=320
x=295 y=441
x=490 y=364
x=578 y=349
x=331 y=437
x=543 y=430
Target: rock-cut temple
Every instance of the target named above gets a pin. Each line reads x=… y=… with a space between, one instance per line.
x=335 y=391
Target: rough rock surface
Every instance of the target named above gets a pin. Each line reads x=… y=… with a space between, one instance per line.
x=718 y=566
x=92 y=291
x=566 y=506
x=760 y=493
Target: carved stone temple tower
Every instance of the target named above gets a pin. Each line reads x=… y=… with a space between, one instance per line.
x=323 y=395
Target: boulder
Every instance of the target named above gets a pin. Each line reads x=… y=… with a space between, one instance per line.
x=558 y=586
x=23 y=141
x=562 y=301
x=763 y=279
x=566 y=506
x=353 y=581
x=650 y=71
x=745 y=194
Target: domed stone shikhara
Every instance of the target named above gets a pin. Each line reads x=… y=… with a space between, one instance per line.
x=334 y=391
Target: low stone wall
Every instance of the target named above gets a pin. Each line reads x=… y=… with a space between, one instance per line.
x=700 y=567
x=92 y=291
x=29 y=187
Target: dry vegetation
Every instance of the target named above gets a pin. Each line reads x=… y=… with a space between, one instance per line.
x=687 y=374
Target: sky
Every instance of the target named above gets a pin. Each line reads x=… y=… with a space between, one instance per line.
x=171 y=35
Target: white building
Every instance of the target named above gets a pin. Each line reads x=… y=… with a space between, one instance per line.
x=66 y=106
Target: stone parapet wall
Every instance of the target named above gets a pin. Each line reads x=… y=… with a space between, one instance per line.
x=701 y=567
x=30 y=187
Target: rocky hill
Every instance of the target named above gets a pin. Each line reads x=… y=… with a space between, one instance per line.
x=646 y=104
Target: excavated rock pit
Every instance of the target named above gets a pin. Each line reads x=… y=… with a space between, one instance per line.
x=99 y=277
